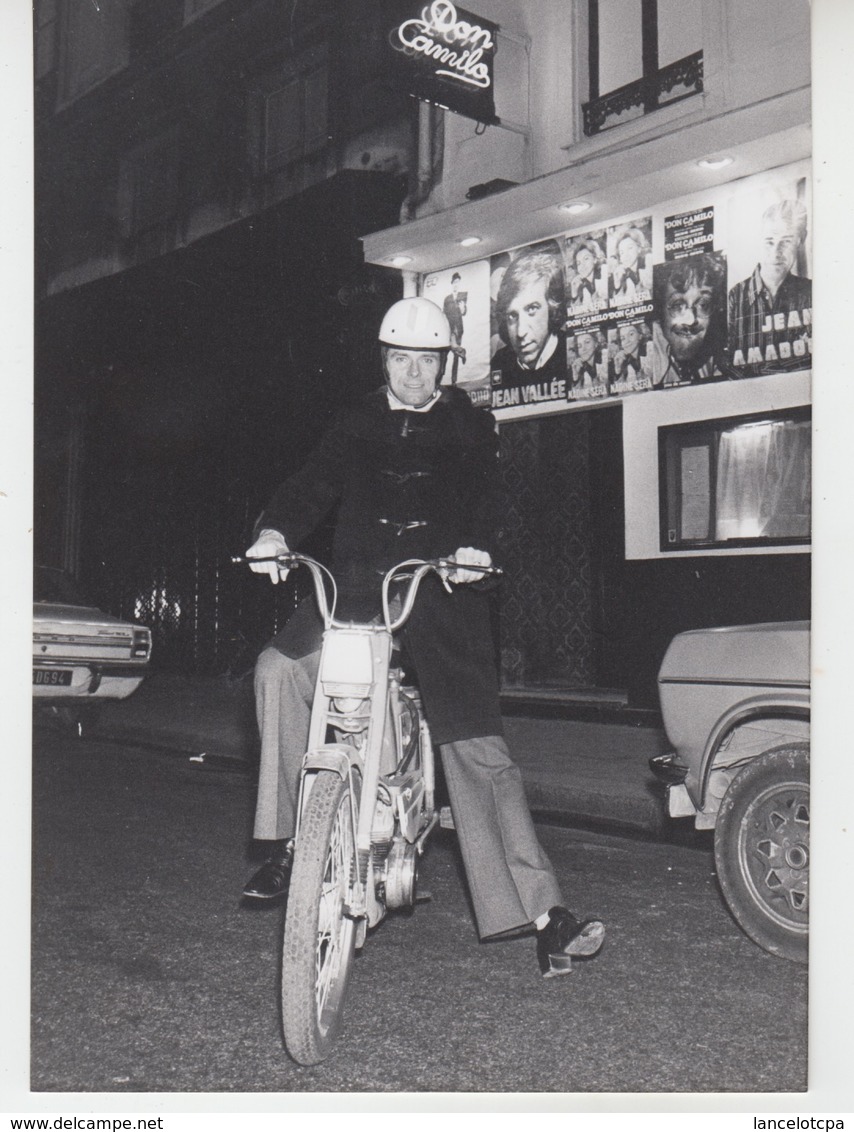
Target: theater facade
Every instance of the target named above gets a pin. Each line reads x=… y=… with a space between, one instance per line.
x=623 y=246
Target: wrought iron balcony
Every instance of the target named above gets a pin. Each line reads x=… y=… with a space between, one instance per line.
x=668 y=85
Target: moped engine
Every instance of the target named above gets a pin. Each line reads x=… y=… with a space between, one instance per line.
x=401 y=874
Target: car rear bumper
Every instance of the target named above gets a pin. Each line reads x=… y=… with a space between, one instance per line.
x=672 y=773
x=89 y=681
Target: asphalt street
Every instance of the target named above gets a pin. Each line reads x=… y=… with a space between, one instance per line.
x=149 y=976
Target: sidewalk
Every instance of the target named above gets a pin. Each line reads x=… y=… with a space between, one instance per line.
x=574 y=770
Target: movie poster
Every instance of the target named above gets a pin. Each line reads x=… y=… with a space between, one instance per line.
x=769 y=309
x=689 y=320
x=689 y=232
x=713 y=286
x=528 y=326
x=630 y=356
x=629 y=249
x=588 y=363
x=463 y=294
x=586 y=274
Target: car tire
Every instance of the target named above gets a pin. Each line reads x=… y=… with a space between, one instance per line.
x=762 y=850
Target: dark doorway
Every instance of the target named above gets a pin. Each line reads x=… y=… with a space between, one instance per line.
x=561 y=623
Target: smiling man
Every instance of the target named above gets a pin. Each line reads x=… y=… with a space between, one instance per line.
x=689 y=323
x=411 y=471
x=770 y=312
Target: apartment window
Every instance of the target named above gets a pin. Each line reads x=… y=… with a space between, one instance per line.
x=151 y=21
x=196 y=8
x=295 y=119
x=45 y=45
x=642 y=55
x=149 y=194
x=95 y=45
x=738 y=482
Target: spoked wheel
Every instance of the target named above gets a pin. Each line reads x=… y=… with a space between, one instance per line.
x=762 y=849
x=319 y=937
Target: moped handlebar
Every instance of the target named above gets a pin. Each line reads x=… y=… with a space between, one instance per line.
x=413 y=569
x=443 y=567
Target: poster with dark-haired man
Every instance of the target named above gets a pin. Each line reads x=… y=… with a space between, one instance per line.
x=529 y=315
x=689 y=330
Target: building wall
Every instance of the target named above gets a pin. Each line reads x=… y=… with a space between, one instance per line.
x=630 y=596
x=147 y=155
x=203 y=304
x=752 y=52
x=159 y=123
x=642 y=419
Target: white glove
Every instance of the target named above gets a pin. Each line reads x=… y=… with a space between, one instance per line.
x=268 y=544
x=468 y=556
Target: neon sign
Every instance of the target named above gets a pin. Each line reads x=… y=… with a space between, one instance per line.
x=456 y=44
x=445 y=55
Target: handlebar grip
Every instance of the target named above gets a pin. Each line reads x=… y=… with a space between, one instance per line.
x=244 y=560
x=487 y=571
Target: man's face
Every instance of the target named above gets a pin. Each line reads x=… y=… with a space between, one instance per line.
x=628 y=251
x=528 y=322
x=586 y=346
x=584 y=263
x=413 y=374
x=686 y=319
x=629 y=338
x=779 y=248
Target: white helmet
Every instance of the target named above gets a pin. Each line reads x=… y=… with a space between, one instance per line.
x=415 y=324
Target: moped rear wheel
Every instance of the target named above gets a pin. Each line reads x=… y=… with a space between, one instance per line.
x=319 y=940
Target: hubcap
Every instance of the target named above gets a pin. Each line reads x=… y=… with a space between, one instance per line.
x=773 y=853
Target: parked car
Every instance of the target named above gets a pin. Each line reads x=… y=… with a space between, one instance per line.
x=80 y=655
x=736 y=707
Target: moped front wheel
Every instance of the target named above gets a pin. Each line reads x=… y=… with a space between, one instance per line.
x=319 y=941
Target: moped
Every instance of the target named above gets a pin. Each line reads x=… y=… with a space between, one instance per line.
x=366 y=803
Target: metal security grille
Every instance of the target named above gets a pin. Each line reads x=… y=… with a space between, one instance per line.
x=159 y=541
x=205 y=377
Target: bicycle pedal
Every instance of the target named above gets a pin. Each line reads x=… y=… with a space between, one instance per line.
x=423 y=897
x=446 y=818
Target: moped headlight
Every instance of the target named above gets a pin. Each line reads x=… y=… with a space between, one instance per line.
x=348 y=705
x=347 y=664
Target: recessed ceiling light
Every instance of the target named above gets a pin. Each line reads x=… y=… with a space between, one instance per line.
x=470 y=241
x=576 y=206
x=401 y=260
x=715 y=162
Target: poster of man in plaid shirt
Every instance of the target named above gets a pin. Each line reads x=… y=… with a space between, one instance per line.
x=769 y=313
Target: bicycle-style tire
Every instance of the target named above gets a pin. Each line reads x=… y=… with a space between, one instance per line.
x=319 y=939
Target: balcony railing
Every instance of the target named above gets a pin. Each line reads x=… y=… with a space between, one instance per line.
x=668 y=85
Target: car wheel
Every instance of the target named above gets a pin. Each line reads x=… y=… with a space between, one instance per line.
x=762 y=841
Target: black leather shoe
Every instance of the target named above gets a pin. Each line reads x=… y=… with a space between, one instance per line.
x=564 y=937
x=272 y=879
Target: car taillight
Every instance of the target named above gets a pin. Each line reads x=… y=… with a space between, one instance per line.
x=141 y=643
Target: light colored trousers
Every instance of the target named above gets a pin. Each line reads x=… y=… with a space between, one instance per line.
x=510 y=877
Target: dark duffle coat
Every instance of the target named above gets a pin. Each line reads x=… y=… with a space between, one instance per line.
x=407 y=485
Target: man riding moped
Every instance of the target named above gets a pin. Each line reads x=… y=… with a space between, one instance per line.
x=413 y=471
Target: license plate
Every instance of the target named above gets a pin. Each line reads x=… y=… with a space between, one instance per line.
x=52 y=676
